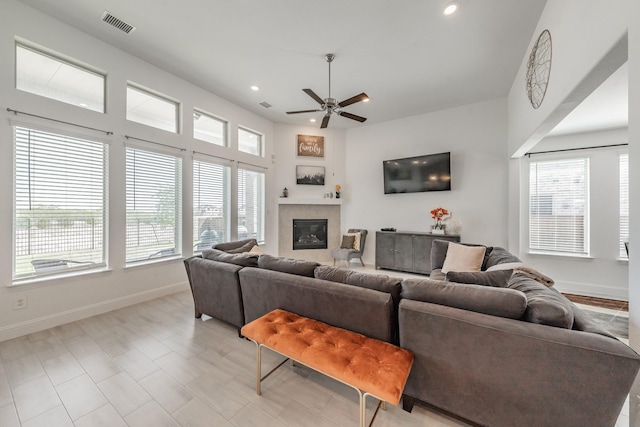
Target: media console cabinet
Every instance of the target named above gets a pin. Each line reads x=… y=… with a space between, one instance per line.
x=407 y=251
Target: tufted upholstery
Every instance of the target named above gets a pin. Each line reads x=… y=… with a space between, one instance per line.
x=373 y=366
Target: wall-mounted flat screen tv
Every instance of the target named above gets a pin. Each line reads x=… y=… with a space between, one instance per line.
x=417 y=174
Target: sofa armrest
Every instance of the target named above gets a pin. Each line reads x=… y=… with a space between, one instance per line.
x=504 y=372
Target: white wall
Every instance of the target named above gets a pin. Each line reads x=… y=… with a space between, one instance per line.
x=602 y=274
x=52 y=302
x=476 y=137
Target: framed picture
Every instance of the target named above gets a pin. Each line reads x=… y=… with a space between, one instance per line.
x=310 y=175
x=310 y=146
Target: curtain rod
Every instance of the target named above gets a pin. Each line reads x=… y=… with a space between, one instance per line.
x=255 y=166
x=153 y=142
x=576 y=149
x=212 y=155
x=16 y=112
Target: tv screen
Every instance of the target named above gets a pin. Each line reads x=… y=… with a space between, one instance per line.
x=416 y=174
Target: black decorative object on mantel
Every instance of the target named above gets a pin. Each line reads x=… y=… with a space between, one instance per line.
x=285 y=192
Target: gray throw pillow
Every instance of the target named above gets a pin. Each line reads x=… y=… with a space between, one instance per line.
x=287 y=265
x=244 y=260
x=497 y=279
x=545 y=306
x=439 y=253
x=347 y=242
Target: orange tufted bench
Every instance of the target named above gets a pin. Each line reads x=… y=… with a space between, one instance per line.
x=373 y=367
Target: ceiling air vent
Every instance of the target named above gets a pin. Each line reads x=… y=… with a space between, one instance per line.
x=116 y=22
x=265 y=104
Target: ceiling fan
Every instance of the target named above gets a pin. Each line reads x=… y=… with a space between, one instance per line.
x=330 y=105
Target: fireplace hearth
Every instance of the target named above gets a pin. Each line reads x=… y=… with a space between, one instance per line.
x=309 y=234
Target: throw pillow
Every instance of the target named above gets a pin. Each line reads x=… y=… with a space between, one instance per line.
x=256 y=250
x=545 y=306
x=439 y=253
x=356 y=242
x=347 y=242
x=244 y=260
x=527 y=270
x=497 y=279
x=463 y=258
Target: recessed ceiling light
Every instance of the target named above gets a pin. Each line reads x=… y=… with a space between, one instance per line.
x=312 y=120
x=450 y=8
x=82 y=104
x=254 y=87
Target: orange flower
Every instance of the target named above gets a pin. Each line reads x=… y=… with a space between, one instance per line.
x=338 y=187
x=439 y=213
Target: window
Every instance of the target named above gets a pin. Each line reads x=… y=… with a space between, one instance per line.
x=153 y=205
x=211 y=196
x=151 y=110
x=558 y=206
x=250 y=205
x=250 y=142
x=59 y=203
x=54 y=78
x=624 y=204
x=208 y=128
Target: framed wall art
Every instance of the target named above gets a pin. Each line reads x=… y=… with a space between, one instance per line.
x=310 y=146
x=310 y=175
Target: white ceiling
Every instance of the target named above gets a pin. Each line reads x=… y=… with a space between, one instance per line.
x=407 y=56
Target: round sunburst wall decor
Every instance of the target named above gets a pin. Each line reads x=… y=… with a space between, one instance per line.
x=539 y=69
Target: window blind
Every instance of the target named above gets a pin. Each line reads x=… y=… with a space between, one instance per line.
x=59 y=203
x=558 y=206
x=211 y=204
x=250 y=204
x=154 y=182
x=624 y=203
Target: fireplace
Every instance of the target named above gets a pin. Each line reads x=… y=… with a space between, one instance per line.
x=309 y=234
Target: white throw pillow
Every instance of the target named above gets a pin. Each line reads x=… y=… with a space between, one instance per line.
x=356 y=242
x=463 y=258
x=255 y=251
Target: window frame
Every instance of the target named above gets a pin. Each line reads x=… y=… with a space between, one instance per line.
x=261 y=142
x=158 y=96
x=225 y=127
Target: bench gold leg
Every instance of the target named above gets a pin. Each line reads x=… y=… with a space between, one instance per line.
x=259 y=370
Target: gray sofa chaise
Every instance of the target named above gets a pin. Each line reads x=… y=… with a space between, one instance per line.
x=508 y=355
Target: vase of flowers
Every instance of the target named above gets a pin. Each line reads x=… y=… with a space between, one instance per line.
x=438 y=215
x=338 y=188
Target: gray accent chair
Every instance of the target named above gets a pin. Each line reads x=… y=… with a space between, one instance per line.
x=349 y=254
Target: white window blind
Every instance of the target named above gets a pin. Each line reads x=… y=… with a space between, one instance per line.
x=624 y=204
x=209 y=128
x=250 y=142
x=558 y=206
x=154 y=183
x=250 y=204
x=151 y=110
x=211 y=204
x=59 y=203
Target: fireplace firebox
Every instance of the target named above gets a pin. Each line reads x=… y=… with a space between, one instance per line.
x=309 y=234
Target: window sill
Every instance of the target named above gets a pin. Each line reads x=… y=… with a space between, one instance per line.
x=55 y=279
x=148 y=262
x=559 y=255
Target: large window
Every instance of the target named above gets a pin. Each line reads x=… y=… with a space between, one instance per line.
x=624 y=204
x=151 y=109
x=250 y=142
x=59 y=203
x=154 y=183
x=250 y=204
x=54 y=78
x=559 y=206
x=208 y=128
x=211 y=203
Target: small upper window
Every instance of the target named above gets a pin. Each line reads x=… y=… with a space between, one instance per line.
x=250 y=142
x=208 y=128
x=51 y=77
x=151 y=110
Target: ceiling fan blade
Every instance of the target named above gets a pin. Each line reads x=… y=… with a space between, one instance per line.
x=302 y=111
x=314 y=96
x=325 y=121
x=352 y=116
x=354 y=99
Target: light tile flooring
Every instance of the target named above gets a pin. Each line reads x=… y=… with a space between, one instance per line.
x=154 y=364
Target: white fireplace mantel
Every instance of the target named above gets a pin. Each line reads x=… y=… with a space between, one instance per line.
x=308 y=201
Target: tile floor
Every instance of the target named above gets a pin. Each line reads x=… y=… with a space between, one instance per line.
x=154 y=364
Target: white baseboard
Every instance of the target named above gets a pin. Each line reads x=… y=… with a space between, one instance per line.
x=45 y=322
x=609 y=292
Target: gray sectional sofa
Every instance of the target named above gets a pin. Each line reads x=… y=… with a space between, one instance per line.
x=510 y=354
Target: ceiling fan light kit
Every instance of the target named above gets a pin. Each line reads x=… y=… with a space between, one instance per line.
x=330 y=105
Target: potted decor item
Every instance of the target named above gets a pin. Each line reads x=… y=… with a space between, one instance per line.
x=438 y=215
x=338 y=188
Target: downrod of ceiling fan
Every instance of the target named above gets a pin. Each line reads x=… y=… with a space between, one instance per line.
x=329 y=57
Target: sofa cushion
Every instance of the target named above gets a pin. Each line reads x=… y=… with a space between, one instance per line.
x=499 y=256
x=527 y=270
x=439 y=253
x=347 y=242
x=463 y=258
x=237 y=246
x=287 y=265
x=502 y=302
x=378 y=282
x=545 y=306
x=244 y=260
x=497 y=279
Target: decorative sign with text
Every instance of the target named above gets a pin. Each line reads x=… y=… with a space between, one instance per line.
x=310 y=146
